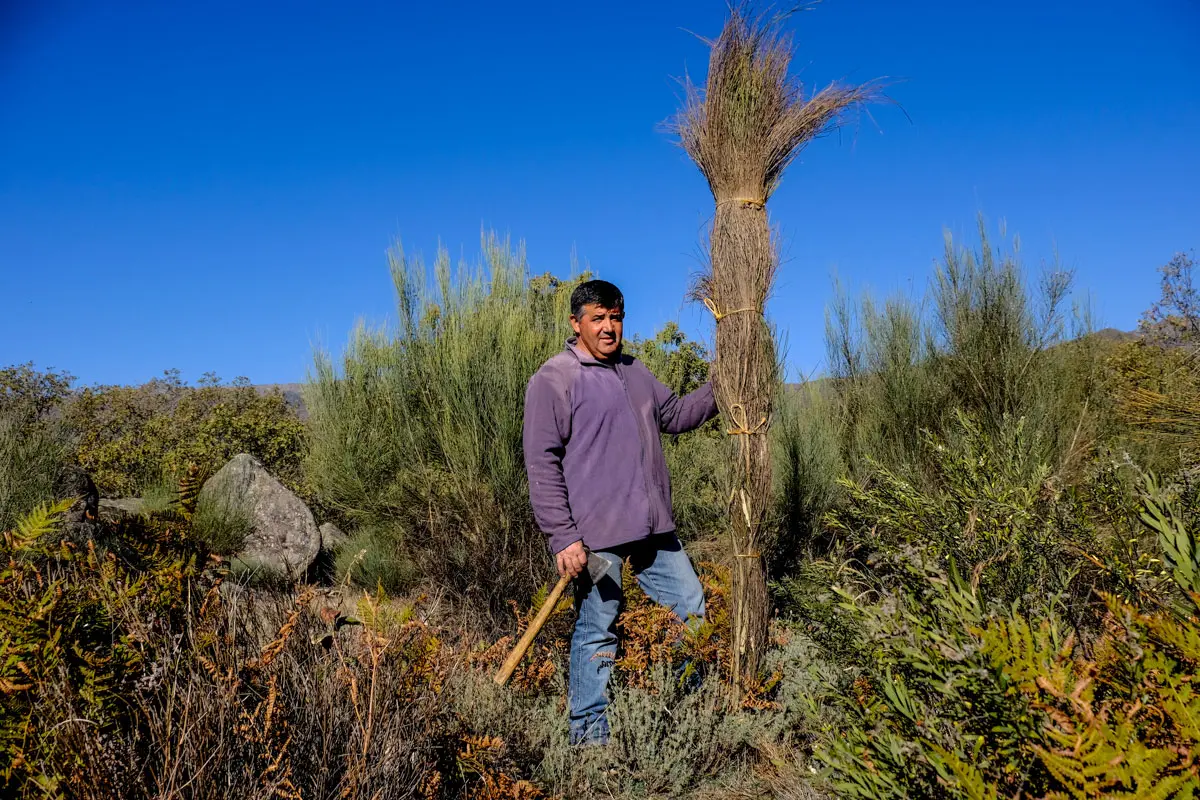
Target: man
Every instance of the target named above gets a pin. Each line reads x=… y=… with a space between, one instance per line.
x=598 y=480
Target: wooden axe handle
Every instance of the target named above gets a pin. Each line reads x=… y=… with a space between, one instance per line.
x=518 y=652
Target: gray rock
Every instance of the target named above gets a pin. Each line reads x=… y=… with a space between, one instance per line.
x=332 y=536
x=284 y=537
x=121 y=506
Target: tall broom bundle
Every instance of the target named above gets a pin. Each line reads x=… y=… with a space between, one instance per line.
x=742 y=130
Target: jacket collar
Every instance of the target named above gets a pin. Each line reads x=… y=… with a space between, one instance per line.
x=587 y=358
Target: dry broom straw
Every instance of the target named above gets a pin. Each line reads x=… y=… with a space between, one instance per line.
x=742 y=130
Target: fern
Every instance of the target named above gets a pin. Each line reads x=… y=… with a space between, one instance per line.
x=962 y=773
x=189 y=490
x=76 y=631
x=1104 y=758
x=1030 y=656
x=37 y=524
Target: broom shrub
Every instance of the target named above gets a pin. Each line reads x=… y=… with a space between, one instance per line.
x=980 y=341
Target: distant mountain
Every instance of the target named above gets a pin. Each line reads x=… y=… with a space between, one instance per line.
x=1117 y=335
x=292 y=393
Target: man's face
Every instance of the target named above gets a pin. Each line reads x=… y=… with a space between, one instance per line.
x=599 y=330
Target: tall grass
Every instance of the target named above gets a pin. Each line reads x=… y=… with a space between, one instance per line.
x=416 y=431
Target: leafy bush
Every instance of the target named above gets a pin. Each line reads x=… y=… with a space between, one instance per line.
x=990 y=513
x=131 y=438
x=979 y=675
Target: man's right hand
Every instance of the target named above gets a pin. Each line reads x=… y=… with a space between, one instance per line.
x=571 y=559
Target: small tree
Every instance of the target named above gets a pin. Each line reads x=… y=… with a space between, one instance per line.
x=1174 y=319
x=742 y=130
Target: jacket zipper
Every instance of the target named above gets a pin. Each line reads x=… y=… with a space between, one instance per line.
x=641 y=441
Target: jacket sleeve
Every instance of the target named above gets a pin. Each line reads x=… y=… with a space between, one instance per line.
x=682 y=414
x=547 y=429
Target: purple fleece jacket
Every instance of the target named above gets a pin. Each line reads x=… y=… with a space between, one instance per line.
x=593 y=450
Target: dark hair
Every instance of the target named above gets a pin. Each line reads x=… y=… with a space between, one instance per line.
x=600 y=293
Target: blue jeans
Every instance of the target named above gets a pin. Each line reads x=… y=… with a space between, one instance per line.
x=666 y=576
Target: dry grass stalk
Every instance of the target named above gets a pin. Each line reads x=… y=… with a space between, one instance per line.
x=742 y=130
x=1174 y=416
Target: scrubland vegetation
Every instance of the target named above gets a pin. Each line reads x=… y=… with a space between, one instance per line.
x=983 y=559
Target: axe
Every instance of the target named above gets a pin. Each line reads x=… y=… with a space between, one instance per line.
x=597 y=567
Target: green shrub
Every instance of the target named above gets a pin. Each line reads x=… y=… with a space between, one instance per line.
x=34 y=445
x=160 y=499
x=129 y=437
x=920 y=691
x=806 y=442
x=989 y=513
x=35 y=393
x=980 y=342
x=32 y=455
x=375 y=556
x=956 y=698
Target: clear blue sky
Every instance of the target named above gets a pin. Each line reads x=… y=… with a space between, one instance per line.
x=213 y=186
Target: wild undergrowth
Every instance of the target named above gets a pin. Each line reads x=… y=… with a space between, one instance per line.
x=135 y=668
x=981 y=342
x=958 y=694
x=132 y=438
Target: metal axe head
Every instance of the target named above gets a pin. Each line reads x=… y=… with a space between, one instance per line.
x=598 y=565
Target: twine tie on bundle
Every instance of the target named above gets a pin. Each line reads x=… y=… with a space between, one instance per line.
x=720 y=315
x=752 y=203
x=737 y=412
